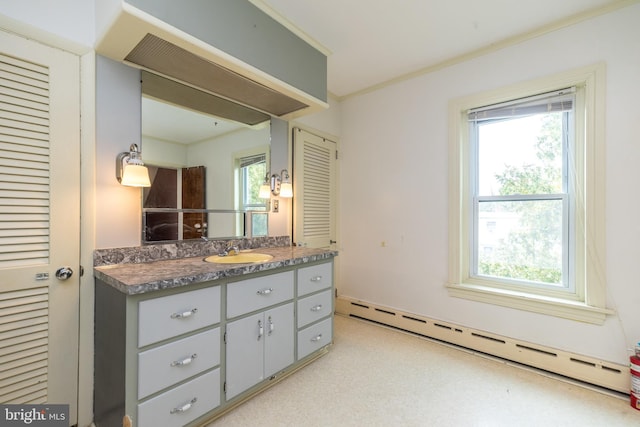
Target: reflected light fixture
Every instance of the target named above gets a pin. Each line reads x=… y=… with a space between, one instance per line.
x=130 y=170
x=280 y=185
x=265 y=188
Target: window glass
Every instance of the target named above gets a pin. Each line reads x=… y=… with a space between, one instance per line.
x=521 y=214
x=252 y=172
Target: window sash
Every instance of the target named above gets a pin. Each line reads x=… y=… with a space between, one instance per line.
x=567 y=284
x=557 y=101
x=244 y=170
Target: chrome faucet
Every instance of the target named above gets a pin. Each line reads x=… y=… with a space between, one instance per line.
x=230 y=251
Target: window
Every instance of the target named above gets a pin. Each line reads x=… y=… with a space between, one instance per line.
x=521 y=194
x=527 y=166
x=251 y=171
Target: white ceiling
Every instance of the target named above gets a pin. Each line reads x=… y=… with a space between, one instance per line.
x=370 y=42
x=375 y=41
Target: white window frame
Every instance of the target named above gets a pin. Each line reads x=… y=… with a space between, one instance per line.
x=240 y=180
x=587 y=303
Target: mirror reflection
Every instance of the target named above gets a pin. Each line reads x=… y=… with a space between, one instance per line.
x=205 y=173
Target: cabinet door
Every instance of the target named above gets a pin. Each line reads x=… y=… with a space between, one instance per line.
x=280 y=332
x=245 y=353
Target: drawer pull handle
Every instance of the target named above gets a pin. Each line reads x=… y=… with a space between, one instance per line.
x=316 y=279
x=316 y=307
x=185 y=407
x=316 y=338
x=265 y=291
x=184 y=314
x=260 y=329
x=271 y=327
x=185 y=361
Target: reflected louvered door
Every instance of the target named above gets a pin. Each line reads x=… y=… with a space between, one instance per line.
x=39 y=223
x=314 y=178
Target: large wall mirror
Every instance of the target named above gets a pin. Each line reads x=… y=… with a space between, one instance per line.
x=207 y=158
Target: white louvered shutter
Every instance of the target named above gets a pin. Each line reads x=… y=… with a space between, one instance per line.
x=24 y=163
x=24 y=227
x=314 y=179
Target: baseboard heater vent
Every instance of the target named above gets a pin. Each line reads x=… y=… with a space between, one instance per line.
x=603 y=374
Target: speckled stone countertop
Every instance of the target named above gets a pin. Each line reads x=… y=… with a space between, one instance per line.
x=139 y=278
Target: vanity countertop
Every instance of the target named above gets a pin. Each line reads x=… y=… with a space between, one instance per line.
x=139 y=278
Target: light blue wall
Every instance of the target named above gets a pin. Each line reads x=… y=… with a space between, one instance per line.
x=242 y=30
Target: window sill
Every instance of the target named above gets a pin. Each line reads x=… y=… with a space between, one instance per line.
x=573 y=310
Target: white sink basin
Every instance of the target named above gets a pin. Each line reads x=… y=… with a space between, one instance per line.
x=241 y=258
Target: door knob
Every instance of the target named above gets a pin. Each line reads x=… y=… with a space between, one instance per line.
x=63 y=273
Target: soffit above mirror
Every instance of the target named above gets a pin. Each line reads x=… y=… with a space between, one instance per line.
x=230 y=49
x=180 y=94
x=165 y=58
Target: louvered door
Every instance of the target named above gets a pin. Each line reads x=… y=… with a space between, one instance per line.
x=39 y=223
x=314 y=171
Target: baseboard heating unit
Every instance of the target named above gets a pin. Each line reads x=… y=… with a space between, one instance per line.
x=611 y=376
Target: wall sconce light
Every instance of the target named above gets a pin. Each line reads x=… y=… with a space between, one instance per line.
x=130 y=170
x=265 y=188
x=278 y=185
x=286 y=189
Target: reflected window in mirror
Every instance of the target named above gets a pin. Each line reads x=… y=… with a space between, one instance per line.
x=251 y=168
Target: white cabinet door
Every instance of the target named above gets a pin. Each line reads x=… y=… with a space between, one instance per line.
x=278 y=344
x=245 y=353
x=258 y=346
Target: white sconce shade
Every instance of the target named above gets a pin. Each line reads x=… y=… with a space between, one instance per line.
x=286 y=190
x=136 y=176
x=265 y=191
x=130 y=170
x=265 y=188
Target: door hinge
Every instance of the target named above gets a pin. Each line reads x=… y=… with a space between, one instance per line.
x=224 y=338
x=224 y=387
x=81 y=271
x=336 y=154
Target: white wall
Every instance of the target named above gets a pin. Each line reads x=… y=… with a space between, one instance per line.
x=69 y=24
x=393 y=187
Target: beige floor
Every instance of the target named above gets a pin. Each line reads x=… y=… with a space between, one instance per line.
x=374 y=376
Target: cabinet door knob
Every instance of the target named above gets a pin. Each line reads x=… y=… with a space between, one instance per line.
x=184 y=314
x=184 y=407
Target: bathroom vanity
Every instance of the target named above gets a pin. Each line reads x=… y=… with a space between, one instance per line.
x=180 y=341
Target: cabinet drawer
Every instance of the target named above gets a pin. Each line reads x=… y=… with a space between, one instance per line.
x=183 y=404
x=171 y=363
x=255 y=294
x=166 y=317
x=314 y=337
x=314 y=308
x=314 y=278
